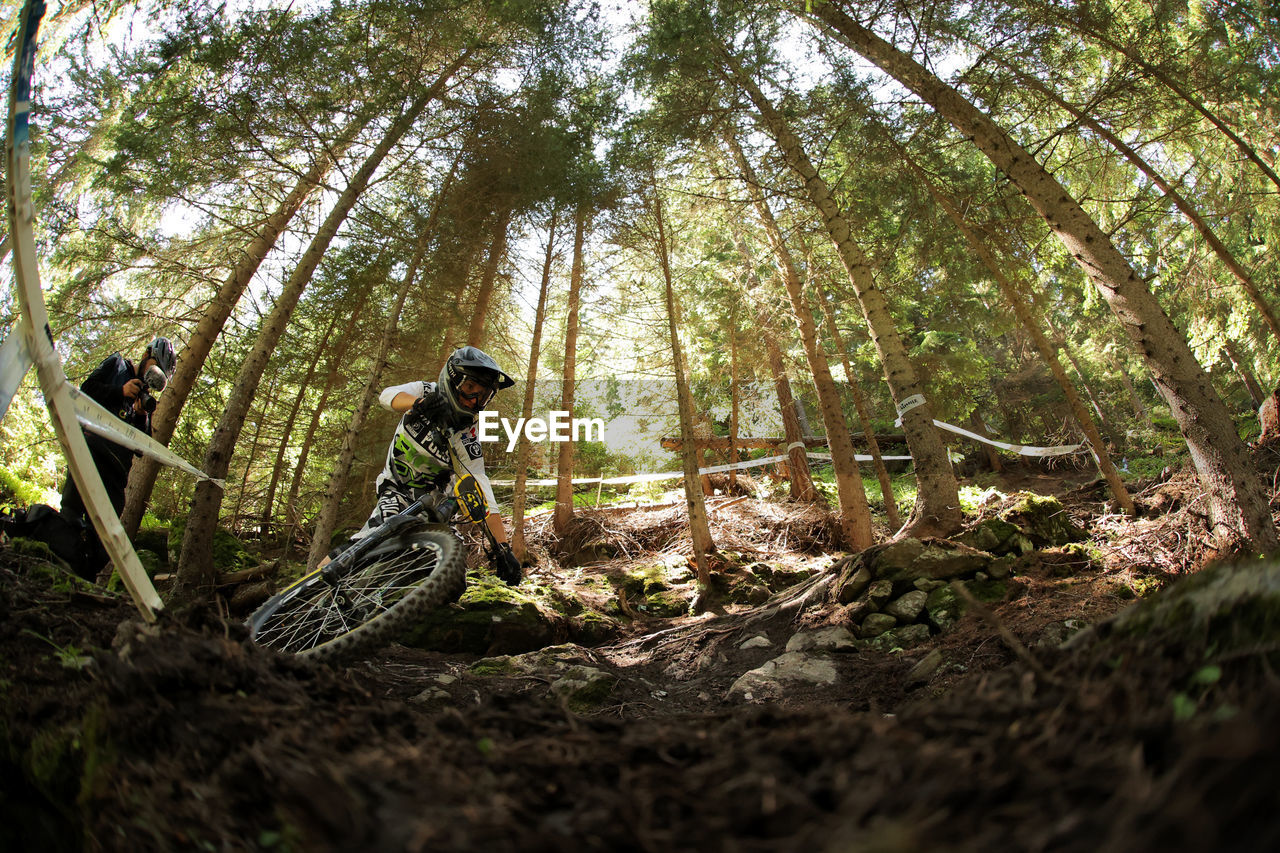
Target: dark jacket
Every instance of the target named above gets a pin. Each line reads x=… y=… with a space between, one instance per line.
x=106 y=386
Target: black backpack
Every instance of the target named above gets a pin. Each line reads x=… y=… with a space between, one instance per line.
x=41 y=522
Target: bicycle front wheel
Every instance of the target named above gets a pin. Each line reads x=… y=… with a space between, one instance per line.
x=392 y=585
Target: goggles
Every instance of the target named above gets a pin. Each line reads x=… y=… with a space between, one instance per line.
x=474 y=395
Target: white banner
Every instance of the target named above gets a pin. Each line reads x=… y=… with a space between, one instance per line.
x=15 y=361
x=96 y=419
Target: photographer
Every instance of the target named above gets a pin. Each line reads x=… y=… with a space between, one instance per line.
x=127 y=391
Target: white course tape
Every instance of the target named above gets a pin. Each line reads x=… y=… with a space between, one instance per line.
x=96 y=419
x=1022 y=449
x=675 y=475
x=15 y=361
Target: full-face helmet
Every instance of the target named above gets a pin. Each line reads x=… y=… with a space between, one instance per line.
x=468 y=381
x=166 y=359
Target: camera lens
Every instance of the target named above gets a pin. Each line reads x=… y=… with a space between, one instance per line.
x=155 y=378
x=149 y=404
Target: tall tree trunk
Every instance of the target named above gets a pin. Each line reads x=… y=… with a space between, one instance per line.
x=564 y=459
x=855 y=515
x=864 y=416
x=937 y=510
x=1014 y=295
x=1061 y=343
x=1140 y=411
x=1242 y=369
x=195 y=565
x=336 y=487
x=1237 y=269
x=733 y=396
x=699 y=529
x=334 y=361
x=484 y=295
x=304 y=386
x=142 y=477
x=801 y=488
x=520 y=497
x=1239 y=509
x=252 y=456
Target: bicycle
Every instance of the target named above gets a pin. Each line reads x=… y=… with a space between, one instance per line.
x=372 y=592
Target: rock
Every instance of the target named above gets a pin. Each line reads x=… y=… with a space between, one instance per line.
x=853 y=585
x=943 y=607
x=1044 y=520
x=876 y=624
x=996 y=536
x=1001 y=569
x=769 y=679
x=490 y=618
x=925 y=667
x=667 y=603
x=757 y=642
x=899 y=638
x=583 y=688
x=908 y=607
x=431 y=694
x=896 y=556
x=927 y=585
x=879 y=592
x=942 y=560
x=834 y=638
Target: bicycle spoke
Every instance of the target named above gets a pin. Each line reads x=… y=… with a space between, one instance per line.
x=317 y=614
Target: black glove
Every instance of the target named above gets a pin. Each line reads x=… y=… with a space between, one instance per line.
x=505 y=564
x=429 y=408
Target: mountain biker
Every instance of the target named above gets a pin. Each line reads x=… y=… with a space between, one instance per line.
x=436 y=439
x=125 y=390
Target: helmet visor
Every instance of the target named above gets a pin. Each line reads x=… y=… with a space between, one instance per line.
x=474 y=395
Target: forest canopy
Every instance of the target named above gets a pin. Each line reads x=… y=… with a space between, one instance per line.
x=1047 y=223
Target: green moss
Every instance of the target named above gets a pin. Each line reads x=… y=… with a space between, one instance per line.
x=500 y=665
x=667 y=603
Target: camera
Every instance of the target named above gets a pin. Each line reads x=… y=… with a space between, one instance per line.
x=148 y=402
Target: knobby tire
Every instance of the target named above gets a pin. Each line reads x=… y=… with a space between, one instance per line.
x=395 y=584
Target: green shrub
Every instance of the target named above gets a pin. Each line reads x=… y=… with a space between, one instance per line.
x=16 y=493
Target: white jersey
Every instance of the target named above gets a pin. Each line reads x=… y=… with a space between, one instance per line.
x=419 y=452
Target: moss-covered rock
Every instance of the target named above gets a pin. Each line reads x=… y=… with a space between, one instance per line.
x=1044 y=520
x=1233 y=606
x=876 y=624
x=936 y=559
x=489 y=618
x=591 y=628
x=943 y=607
x=899 y=638
x=997 y=536
x=150 y=560
x=154 y=539
x=583 y=688
x=668 y=603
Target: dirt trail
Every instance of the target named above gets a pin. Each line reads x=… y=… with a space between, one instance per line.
x=186 y=736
